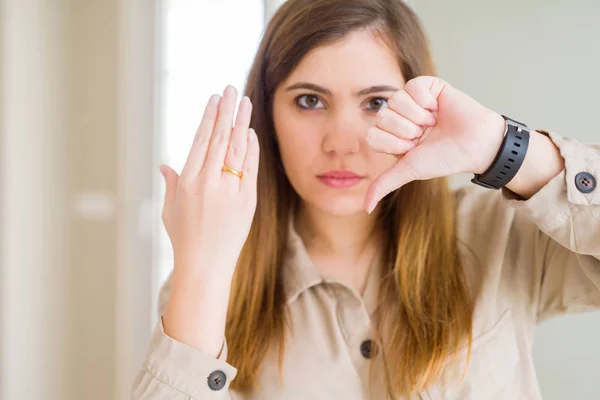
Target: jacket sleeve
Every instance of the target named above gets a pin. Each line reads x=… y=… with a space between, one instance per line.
x=567 y=212
x=173 y=370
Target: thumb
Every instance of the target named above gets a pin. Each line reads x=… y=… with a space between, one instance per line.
x=390 y=180
x=171 y=179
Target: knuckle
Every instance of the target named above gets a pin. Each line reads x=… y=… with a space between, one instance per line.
x=235 y=150
x=410 y=134
x=187 y=185
x=416 y=131
x=424 y=117
x=201 y=138
x=414 y=83
x=410 y=85
x=222 y=135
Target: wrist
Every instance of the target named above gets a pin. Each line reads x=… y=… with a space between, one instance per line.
x=212 y=279
x=542 y=163
x=494 y=129
x=197 y=316
x=203 y=270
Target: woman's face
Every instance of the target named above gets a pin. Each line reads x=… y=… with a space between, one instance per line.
x=322 y=113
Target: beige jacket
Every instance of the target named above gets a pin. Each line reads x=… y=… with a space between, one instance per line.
x=530 y=260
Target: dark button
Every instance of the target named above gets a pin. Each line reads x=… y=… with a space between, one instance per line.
x=585 y=182
x=368 y=349
x=216 y=380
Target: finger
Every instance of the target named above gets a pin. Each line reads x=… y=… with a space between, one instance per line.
x=171 y=179
x=397 y=125
x=199 y=148
x=384 y=142
x=392 y=179
x=249 y=181
x=236 y=151
x=222 y=133
x=402 y=103
x=425 y=91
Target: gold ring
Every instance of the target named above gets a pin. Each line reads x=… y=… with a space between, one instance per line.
x=237 y=173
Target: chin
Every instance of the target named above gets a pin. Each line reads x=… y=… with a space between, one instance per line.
x=339 y=206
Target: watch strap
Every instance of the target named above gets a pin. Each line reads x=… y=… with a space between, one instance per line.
x=509 y=159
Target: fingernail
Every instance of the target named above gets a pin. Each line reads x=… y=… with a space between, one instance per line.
x=214 y=100
x=161 y=169
x=229 y=90
x=245 y=104
x=369 y=207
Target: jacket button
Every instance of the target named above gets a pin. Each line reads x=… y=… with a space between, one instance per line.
x=216 y=380
x=585 y=182
x=368 y=349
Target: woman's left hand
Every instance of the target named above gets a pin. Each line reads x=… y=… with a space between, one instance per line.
x=436 y=131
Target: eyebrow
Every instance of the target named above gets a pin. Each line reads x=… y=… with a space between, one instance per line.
x=319 y=89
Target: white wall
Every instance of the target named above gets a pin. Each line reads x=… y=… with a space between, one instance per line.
x=271 y=6
x=77 y=126
x=538 y=62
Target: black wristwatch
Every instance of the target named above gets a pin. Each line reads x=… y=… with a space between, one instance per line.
x=509 y=159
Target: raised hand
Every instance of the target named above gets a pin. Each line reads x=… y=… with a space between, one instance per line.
x=208 y=210
x=436 y=131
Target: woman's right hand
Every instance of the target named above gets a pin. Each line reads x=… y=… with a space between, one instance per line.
x=207 y=211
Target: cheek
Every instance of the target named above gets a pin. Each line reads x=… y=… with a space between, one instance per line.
x=297 y=152
x=297 y=146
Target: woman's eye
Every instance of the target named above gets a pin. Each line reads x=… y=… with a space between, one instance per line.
x=309 y=101
x=377 y=103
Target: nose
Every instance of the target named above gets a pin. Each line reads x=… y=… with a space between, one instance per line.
x=345 y=131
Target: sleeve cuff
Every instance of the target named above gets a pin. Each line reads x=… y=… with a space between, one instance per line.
x=579 y=158
x=186 y=369
x=561 y=198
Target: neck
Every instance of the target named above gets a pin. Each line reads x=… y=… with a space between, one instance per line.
x=323 y=233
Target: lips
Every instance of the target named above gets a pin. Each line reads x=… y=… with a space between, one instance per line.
x=340 y=175
x=340 y=179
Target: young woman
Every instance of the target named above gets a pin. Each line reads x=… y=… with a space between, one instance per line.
x=338 y=263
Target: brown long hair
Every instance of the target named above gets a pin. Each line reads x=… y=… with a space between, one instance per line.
x=428 y=310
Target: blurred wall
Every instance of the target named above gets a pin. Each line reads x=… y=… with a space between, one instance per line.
x=77 y=95
x=537 y=61
x=93 y=170
x=36 y=306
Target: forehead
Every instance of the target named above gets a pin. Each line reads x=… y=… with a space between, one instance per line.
x=360 y=59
